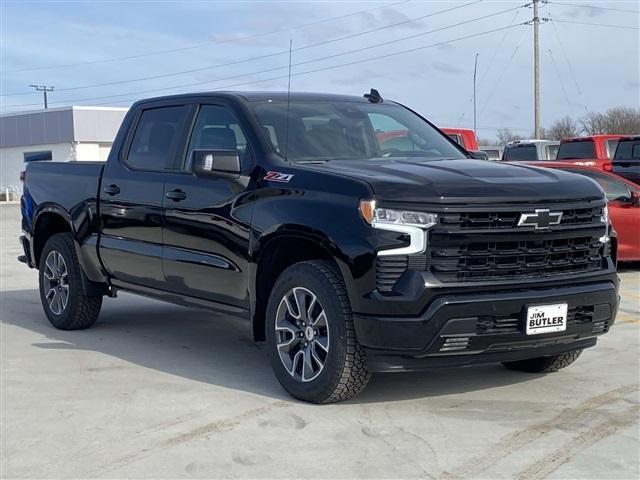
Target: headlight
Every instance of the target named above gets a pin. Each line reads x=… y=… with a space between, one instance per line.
x=376 y=216
x=605 y=214
x=411 y=223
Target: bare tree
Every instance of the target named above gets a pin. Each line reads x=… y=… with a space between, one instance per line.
x=488 y=142
x=622 y=120
x=505 y=136
x=563 y=128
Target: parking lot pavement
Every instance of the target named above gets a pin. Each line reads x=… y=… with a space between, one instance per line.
x=159 y=391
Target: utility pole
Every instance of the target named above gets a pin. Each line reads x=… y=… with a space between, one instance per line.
x=44 y=89
x=536 y=71
x=475 y=71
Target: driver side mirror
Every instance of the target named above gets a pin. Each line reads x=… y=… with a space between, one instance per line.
x=635 y=199
x=216 y=163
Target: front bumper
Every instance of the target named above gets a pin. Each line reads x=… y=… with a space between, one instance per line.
x=485 y=327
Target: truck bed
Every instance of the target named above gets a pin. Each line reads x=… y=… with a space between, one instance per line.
x=72 y=185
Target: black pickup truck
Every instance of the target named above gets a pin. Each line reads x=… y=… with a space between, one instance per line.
x=348 y=255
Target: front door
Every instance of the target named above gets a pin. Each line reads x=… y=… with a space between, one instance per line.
x=206 y=233
x=131 y=194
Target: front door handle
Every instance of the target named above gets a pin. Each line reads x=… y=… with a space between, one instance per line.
x=111 y=190
x=176 y=195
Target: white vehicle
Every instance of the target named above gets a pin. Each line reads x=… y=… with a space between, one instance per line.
x=530 y=150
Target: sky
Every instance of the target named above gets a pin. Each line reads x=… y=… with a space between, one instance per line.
x=420 y=53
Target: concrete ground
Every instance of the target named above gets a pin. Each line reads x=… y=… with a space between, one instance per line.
x=158 y=391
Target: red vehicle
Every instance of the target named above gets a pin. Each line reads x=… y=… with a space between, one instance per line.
x=624 y=205
x=463 y=136
x=592 y=151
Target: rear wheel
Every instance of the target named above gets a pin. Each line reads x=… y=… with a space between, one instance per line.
x=544 y=364
x=314 y=350
x=61 y=292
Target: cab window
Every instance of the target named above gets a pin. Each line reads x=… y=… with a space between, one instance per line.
x=217 y=128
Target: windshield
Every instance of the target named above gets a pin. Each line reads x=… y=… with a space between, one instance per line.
x=321 y=131
x=579 y=149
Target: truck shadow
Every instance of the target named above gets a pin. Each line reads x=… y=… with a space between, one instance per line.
x=210 y=348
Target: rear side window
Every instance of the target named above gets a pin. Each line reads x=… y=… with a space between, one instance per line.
x=521 y=153
x=628 y=151
x=456 y=138
x=552 y=151
x=577 y=150
x=156 y=137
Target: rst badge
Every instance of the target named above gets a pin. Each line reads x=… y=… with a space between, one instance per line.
x=542 y=218
x=278 y=177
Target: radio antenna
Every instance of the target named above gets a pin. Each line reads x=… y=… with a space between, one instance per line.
x=286 y=132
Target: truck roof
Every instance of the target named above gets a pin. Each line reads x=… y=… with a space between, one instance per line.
x=592 y=137
x=263 y=96
x=532 y=141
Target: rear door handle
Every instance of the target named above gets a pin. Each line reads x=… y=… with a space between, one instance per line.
x=111 y=189
x=176 y=195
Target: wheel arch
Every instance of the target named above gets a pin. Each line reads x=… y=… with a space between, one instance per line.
x=277 y=251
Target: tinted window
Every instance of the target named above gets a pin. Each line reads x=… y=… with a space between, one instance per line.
x=521 y=153
x=156 y=138
x=572 y=150
x=349 y=130
x=455 y=137
x=217 y=129
x=37 y=156
x=613 y=189
x=552 y=151
x=611 y=147
x=628 y=151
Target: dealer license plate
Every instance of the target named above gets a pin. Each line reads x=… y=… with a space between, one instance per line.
x=546 y=318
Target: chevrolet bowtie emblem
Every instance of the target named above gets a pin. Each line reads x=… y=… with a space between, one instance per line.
x=542 y=218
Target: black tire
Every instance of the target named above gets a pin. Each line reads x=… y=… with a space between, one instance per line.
x=344 y=373
x=80 y=311
x=544 y=364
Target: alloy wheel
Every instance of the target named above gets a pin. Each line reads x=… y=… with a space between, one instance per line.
x=56 y=282
x=302 y=334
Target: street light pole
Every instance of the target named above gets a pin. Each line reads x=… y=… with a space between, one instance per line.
x=44 y=89
x=475 y=71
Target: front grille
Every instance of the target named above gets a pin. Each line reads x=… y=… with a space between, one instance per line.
x=495 y=260
x=509 y=218
x=485 y=244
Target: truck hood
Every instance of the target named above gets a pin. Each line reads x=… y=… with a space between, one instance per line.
x=467 y=180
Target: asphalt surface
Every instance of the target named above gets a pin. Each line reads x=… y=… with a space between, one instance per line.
x=159 y=391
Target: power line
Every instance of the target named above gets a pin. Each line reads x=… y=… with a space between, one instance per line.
x=584 y=5
x=307 y=72
x=504 y=71
x=205 y=44
x=566 y=57
x=626 y=27
x=327 y=57
x=261 y=57
x=555 y=66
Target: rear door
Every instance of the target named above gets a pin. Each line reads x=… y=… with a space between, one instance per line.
x=206 y=234
x=132 y=191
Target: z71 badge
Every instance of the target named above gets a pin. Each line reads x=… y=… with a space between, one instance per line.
x=278 y=177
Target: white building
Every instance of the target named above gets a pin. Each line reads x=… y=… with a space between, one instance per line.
x=58 y=134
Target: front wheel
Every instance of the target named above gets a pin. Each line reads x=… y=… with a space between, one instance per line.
x=544 y=364
x=61 y=292
x=312 y=341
